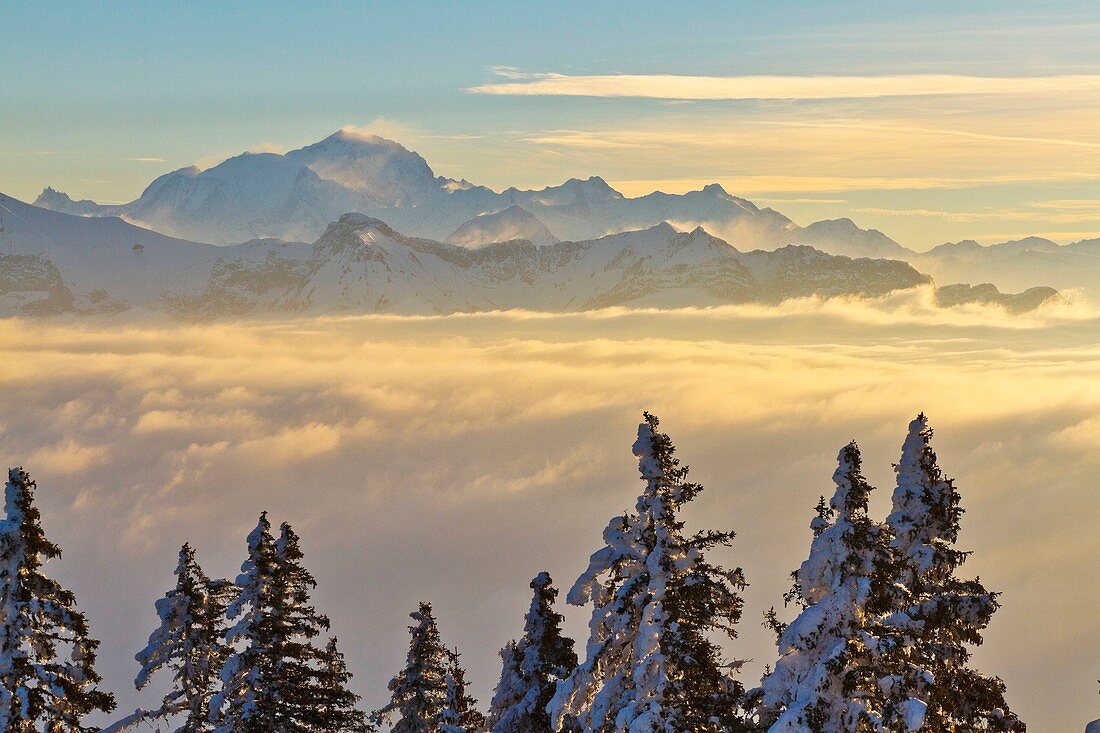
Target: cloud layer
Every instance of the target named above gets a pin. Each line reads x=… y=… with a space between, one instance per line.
x=451 y=459
x=671 y=86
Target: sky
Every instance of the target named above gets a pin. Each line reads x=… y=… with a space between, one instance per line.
x=451 y=459
x=930 y=121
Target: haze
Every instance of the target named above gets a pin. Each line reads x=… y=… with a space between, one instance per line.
x=452 y=458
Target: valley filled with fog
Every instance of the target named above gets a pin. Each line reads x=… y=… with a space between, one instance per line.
x=451 y=458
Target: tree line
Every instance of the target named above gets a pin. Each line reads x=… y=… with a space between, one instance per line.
x=880 y=634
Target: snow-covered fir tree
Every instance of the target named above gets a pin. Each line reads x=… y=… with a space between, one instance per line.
x=510 y=689
x=276 y=680
x=450 y=720
x=247 y=701
x=825 y=680
x=460 y=713
x=418 y=693
x=190 y=641
x=533 y=667
x=937 y=616
x=651 y=665
x=47 y=660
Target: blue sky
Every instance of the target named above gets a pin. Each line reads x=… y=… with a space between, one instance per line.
x=99 y=98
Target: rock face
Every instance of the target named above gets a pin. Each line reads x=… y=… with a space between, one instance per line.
x=32 y=285
x=987 y=294
x=501 y=226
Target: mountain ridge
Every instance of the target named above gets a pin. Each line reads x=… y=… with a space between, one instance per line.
x=296 y=194
x=361 y=264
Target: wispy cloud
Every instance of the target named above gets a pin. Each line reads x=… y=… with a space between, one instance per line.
x=798 y=200
x=1053 y=235
x=824 y=183
x=1046 y=214
x=145 y=159
x=268 y=147
x=668 y=86
x=1068 y=205
x=900 y=129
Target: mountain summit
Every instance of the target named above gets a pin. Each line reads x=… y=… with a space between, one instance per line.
x=293 y=196
x=501 y=226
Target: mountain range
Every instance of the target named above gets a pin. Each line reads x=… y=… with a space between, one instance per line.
x=296 y=195
x=51 y=262
x=261 y=208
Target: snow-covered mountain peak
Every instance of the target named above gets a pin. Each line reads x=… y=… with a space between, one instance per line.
x=362 y=223
x=382 y=169
x=50 y=198
x=575 y=191
x=664 y=230
x=361 y=264
x=513 y=222
x=296 y=195
x=594 y=189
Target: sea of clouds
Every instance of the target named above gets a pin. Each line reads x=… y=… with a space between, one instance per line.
x=452 y=458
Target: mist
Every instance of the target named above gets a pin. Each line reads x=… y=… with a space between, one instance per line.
x=450 y=459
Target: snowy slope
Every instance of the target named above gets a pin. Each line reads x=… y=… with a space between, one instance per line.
x=501 y=226
x=843 y=237
x=104 y=260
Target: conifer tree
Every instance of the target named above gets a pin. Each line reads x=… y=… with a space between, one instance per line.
x=460 y=713
x=190 y=641
x=247 y=701
x=533 y=666
x=937 y=616
x=651 y=665
x=47 y=660
x=276 y=680
x=419 y=691
x=825 y=679
x=335 y=703
x=510 y=690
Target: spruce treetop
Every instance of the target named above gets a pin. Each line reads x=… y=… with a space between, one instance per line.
x=47 y=659
x=823 y=681
x=651 y=665
x=418 y=692
x=936 y=616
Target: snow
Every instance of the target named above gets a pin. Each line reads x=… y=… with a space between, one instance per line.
x=506 y=225
x=821 y=645
x=38 y=623
x=913 y=712
x=624 y=683
x=363 y=265
x=293 y=196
